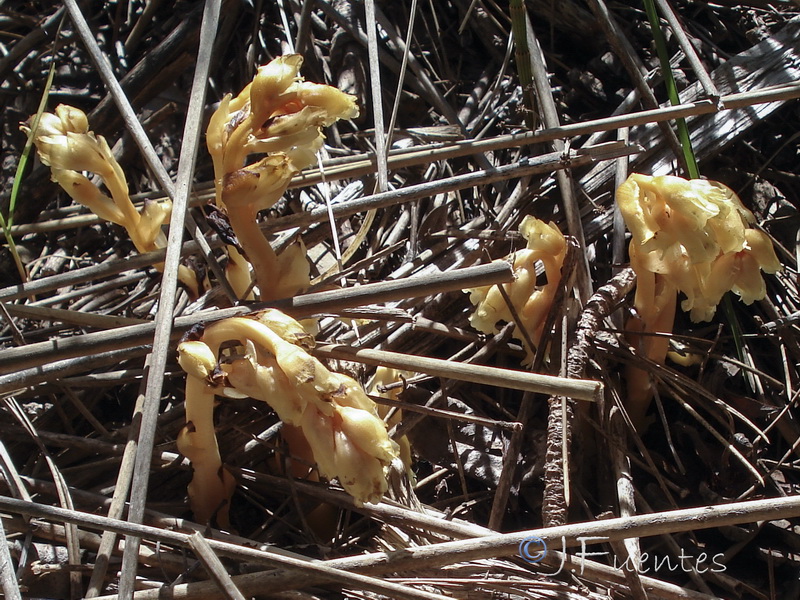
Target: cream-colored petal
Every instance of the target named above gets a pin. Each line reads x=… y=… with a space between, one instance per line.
x=760 y=247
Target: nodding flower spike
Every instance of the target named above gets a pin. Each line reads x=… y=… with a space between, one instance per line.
x=280 y=115
x=546 y=244
x=271 y=83
x=339 y=421
x=66 y=145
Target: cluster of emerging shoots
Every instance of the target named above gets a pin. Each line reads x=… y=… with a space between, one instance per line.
x=348 y=440
x=531 y=302
x=65 y=143
x=692 y=236
x=279 y=117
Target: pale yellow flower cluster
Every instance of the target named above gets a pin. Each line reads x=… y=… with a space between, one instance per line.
x=348 y=440
x=280 y=115
x=545 y=244
x=691 y=236
x=66 y=145
x=696 y=234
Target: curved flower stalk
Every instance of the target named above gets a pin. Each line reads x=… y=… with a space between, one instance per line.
x=690 y=236
x=66 y=145
x=280 y=115
x=546 y=244
x=347 y=438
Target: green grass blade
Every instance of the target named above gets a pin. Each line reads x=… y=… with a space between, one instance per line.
x=6 y=223
x=672 y=90
x=689 y=158
x=12 y=247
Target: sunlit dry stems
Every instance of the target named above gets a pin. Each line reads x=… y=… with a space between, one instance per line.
x=66 y=145
x=689 y=236
x=279 y=115
x=545 y=244
x=347 y=438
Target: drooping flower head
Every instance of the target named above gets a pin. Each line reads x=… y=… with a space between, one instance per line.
x=697 y=234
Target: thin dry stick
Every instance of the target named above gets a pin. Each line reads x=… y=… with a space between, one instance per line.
x=422 y=83
x=633 y=65
x=434 y=555
x=481 y=374
x=214 y=567
x=62 y=491
x=401 y=77
x=447 y=414
x=8 y=580
x=545 y=163
x=377 y=95
x=618 y=226
x=82 y=275
x=301 y=568
x=421 y=78
x=108 y=541
x=486 y=350
x=628 y=549
x=170 y=564
x=56 y=370
x=676 y=549
x=22 y=47
x=304 y=28
x=43 y=353
x=14 y=482
x=551 y=120
x=70 y=317
x=157 y=519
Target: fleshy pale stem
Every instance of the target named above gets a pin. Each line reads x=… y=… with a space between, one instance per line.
x=257 y=249
x=212 y=485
